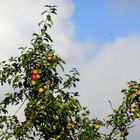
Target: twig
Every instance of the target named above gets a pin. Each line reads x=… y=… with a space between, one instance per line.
x=20 y=106
x=111 y=105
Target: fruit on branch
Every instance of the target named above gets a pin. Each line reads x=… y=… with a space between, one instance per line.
x=38 y=76
x=97 y=126
x=132 y=109
x=137 y=102
x=40 y=90
x=34 y=72
x=43 y=107
x=46 y=87
x=33 y=82
x=138 y=115
x=33 y=77
x=138 y=92
x=50 y=57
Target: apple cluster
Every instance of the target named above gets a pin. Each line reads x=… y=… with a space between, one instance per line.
x=38 y=80
x=135 y=109
x=35 y=76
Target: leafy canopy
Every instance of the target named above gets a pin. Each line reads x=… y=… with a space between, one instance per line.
x=52 y=110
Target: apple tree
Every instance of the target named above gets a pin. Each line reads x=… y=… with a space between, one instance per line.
x=53 y=111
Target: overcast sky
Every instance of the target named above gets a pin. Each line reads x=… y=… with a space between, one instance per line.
x=101 y=38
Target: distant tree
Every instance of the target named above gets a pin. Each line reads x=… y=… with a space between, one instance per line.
x=52 y=110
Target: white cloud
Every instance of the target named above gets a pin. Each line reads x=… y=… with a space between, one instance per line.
x=102 y=77
x=105 y=76
x=19 y=20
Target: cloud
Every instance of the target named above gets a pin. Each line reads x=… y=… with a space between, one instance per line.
x=107 y=74
x=19 y=20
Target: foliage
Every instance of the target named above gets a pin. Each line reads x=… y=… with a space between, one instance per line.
x=53 y=111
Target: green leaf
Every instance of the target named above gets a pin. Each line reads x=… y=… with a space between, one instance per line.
x=44 y=12
x=16 y=79
x=49 y=19
x=9 y=81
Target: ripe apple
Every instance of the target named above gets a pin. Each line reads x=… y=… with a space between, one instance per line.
x=40 y=90
x=43 y=107
x=138 y=92
x=132 y=109
x=38 y=76
x=97 y=126
x=33 y=82
x=34 y=72
x=33 y=77
x=49 y=58
x=138 y=115
x=137 y=102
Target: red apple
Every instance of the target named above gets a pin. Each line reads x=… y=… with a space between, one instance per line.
x=33 y=77
x=138 y=91
x=38 y=76
x=34 y=72
x=50 y=57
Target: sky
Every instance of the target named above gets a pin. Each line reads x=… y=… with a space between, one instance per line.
x=104 y=20
x=101 y=38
